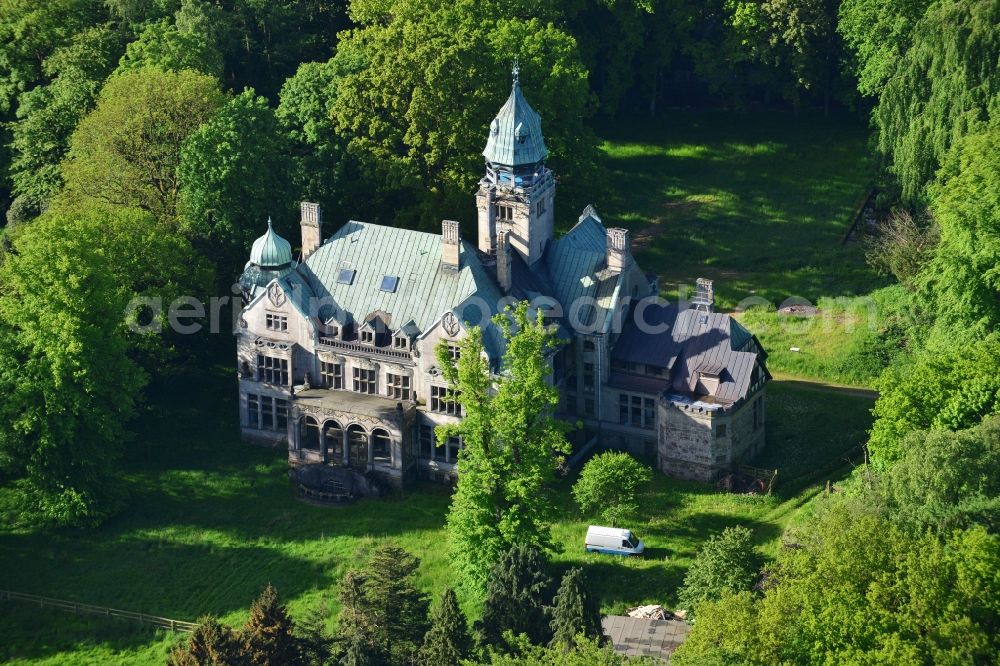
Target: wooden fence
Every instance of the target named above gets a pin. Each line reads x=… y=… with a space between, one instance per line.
x=88 y=609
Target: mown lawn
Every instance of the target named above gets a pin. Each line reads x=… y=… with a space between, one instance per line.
x=211 y=521
x=758 y=201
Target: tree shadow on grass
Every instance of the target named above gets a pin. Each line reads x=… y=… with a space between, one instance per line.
x=163 y=578
x=32 y=634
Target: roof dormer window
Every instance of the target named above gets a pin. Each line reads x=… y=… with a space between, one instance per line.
x=400 y=342
x=367 y=336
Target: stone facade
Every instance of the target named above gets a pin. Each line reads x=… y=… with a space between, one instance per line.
x=336 y=354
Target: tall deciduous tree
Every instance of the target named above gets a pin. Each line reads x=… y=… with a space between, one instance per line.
x=189 y=40
x=448 y=640
x=317 y=152
x=963 y=279
x=878 y=32
x=423 y=79
x=29 y=32
x=48 y=114
x=945 y=386
x=945 y=86
x=128 y=150
x=575 y=612
x=513 y=444
x=233 y=175
x=852 y=588
x=67 y=370
x=945 y=480
x=517 y=594
x=609 y=486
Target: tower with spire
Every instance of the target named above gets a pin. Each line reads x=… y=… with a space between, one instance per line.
x=517 y=194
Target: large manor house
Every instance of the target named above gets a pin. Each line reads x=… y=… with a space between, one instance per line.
x=336 y=350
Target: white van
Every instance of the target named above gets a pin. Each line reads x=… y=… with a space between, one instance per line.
x=613 y=540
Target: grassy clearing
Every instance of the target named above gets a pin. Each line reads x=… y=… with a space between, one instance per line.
x=758 y=201
x=826 y=343
x=212 y=520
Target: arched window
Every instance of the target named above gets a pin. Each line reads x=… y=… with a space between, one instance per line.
x=381 y=446
x=357 y=441
x=333 y=438
x=308 y=434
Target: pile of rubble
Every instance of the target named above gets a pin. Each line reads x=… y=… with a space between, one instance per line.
x=655 y=612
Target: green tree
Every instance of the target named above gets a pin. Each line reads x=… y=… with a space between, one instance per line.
x=944 y=479
x=609 y=486
x=943 y=386
x=587 y=652
x=850 y=587
x=68 y=356
x=421 y=81
x=315 y=643
x=29 y=32
x=878 y=33
x=233 y=174
x=513 y=444
x=727 y=562
x=127 y=151
x=448 y=640
x=963 y=278
x=187 y=41
x=69 y=387
x=575 y=612
x=382 y=609
x=517 y=595
x=317 y=153
x=267 y=636
x=210 y=644
x=945 y=86
x=48 y=114
x=357 y=632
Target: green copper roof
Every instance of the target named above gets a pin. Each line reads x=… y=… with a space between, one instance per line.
x=425 y=289
x=271 y=250
x=516 y=133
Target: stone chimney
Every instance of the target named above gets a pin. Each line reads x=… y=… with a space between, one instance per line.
x=311 y=223
x=450 y=243
x=503 y=261
x=704 y=295
x=619 y=249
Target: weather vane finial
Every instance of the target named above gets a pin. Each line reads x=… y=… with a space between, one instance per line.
x=516 y=72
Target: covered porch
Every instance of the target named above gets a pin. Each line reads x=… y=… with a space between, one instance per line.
x=363 y=432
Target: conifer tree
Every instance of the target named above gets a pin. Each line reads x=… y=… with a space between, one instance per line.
x=517 y=593
x=314 y=642
x=267 y=636
x=448 y=640
x=575 y=611
x=383 y=613
x=211 y=643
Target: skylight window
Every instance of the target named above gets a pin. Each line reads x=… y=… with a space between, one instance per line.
x=389 y=283
x=346 y=276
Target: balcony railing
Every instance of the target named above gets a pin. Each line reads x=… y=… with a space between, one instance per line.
x=365 y=349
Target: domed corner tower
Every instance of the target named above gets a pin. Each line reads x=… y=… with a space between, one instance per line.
x=270 y=258
x=517 y=194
